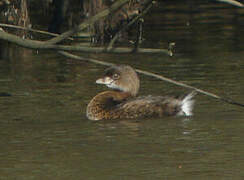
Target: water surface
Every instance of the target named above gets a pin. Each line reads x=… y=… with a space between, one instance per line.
x=44 y=133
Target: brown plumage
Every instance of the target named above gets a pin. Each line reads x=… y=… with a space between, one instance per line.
x=123 y=103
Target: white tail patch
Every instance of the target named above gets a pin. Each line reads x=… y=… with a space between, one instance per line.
x=187 y=104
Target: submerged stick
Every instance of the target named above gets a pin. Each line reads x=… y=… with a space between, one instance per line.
x=229 y=101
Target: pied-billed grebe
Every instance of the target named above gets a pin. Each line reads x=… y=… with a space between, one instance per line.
x=122 y=102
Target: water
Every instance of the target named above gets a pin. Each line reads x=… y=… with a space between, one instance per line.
x=44 y=133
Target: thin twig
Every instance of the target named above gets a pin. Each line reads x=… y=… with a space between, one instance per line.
x=30 y=29
x=116 y=36
x=189 y=87
x=5 y=80
x=72 y=56
x=139 y=34
x=232 y=2
x=229 y=101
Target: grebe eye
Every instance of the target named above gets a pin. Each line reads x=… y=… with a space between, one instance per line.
x=115 y=76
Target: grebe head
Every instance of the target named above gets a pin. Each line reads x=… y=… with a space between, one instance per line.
x=122 y=77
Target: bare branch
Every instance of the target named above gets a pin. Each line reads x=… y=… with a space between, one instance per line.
x=129 y=24
x=229 y=101
x=232 y=2
x=89 y=21
x=33 y=44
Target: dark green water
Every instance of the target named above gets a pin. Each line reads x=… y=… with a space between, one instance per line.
x=44 y=133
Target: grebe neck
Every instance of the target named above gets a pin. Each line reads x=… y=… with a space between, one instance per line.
x=104 y=104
